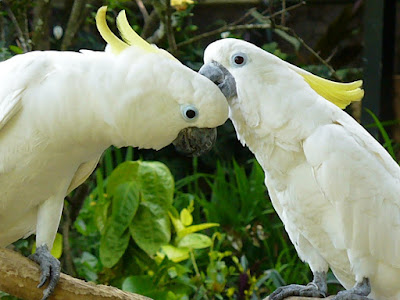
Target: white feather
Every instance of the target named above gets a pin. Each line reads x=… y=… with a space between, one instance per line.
x=335 y=188
x=60 y=110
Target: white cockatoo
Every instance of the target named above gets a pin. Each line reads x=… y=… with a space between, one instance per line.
x=333 y=185
x=59 y=111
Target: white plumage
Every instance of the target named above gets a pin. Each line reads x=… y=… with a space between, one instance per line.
x=60 y=110
x=333 y=185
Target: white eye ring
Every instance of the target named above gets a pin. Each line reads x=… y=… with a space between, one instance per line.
x=189 y=112
x=239 y=59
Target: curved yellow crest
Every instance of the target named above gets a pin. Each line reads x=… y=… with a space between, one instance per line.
x=130 y=37
x=116 y=44
x=340 y=94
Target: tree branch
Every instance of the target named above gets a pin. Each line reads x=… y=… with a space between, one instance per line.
x=143 y=10
x=323 y=61
x=19 y=277
x=40 y=36
x=233 y=26
x=21 y=37
x=79 y=11
x=170 y=31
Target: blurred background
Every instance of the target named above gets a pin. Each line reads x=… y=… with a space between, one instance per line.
x=221 y=238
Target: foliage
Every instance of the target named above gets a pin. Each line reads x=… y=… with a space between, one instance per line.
x=211 y=235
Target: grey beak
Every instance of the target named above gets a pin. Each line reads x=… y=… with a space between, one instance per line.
x=218 y=74
x=193 y=141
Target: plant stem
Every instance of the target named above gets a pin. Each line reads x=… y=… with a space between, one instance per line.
x=193 y=259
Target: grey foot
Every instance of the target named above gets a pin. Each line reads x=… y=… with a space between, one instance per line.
x=315 y=289
x=296 y=290
x=359 y=292
x=49 y=269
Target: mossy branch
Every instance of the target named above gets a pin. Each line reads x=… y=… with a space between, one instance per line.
x=19 y=277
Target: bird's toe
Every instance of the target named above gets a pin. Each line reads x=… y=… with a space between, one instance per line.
x=49 y=269
x=296 y=290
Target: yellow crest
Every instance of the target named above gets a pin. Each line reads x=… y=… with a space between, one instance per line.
x=340 y=94
x=130 y=37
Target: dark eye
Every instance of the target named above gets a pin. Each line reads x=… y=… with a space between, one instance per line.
x=239 y=59
x=189 y=112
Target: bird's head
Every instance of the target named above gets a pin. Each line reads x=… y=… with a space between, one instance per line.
x=172 y=102
x=238 y=66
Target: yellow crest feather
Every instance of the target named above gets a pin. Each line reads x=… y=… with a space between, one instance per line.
x=116 y=44
x=340 y=94
x=130 y=36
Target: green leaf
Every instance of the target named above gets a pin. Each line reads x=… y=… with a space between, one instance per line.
x=56 y=251
x=125 y=202
x=195 y=228
x=112 y=246
x=195 y=241
x=388 y=142
x=186 y=217
x=153 y=179
x=16 y=49
x=151 y=227
x=157 y=183
x=115 y=238
x=175 y=254
x=141 y=284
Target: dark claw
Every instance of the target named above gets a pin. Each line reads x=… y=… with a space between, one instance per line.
x=310 y=290
x=49 y=269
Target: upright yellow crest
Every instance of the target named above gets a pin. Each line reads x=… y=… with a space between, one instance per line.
x=130 y=37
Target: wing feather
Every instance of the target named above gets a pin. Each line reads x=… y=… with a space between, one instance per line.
x=362 y=182
x=83 y=173
x=16 y=75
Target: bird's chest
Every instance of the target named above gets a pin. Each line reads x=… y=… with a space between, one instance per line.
x=31 y=174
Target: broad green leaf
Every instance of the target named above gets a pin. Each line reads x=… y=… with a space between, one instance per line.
x=157 y=183
x=153 y=179
x=113 y=246
x=151 y=227
x=195 y=241
x=125 y=172
x=141 y=284
x=175 y=254
x=115 y=238
x=195 y=228
x=186 y=217
x=101 y=214
x=125 y=202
